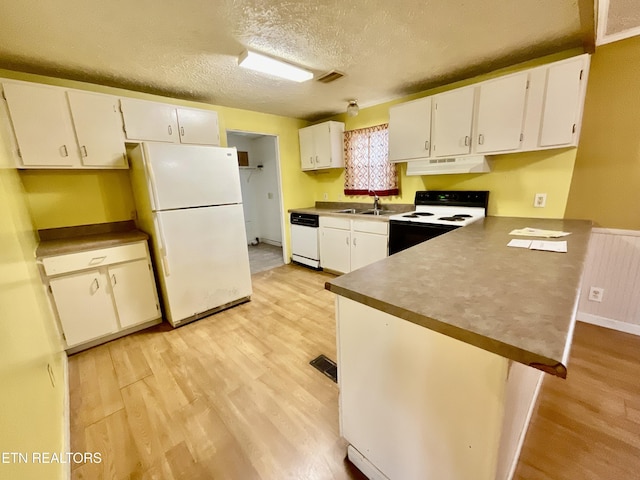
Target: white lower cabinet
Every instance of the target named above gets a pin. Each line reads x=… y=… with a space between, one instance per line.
x=84 y=306
x=346 y=245
x=113 y=292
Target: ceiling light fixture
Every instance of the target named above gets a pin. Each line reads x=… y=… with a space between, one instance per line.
x=353 y=108
x=271 y=66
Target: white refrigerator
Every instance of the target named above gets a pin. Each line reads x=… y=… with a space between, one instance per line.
x=188 y=200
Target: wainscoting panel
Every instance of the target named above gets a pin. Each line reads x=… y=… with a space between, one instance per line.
x=613 y=264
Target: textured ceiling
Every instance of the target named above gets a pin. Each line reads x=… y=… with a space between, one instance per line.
x=188 y=49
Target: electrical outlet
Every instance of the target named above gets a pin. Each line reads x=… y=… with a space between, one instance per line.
x=325 y=196
x=540 y=200
x=596 y=294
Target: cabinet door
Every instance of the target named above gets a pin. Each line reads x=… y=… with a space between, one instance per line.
x=84 y=305
x=452 y=117
x=134 y=291
x=367 y=248
x=410 y=130
x=98 y=125
x=562 y=104
x=501 y=113
x=307 y=148
x=322 y=142
x=335 y=249
x=42 y=124
x=198 y=126
x=152 y=121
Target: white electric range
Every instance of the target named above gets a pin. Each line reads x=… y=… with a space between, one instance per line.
x=437 y=212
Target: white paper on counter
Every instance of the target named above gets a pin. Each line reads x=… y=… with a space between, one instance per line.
x=537 y=232
x=560 y=247
x=516 y=242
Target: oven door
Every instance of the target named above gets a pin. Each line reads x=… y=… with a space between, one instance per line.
x=403 y=235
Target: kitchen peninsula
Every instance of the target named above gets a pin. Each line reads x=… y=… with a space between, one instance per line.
x=436 y=346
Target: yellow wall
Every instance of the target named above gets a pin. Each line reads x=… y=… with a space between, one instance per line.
x=606 y=180
x=31 y=409
x=513 y=181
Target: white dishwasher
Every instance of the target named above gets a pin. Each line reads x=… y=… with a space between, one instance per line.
x=304 y=239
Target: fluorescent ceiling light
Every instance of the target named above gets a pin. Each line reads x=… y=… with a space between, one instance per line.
x=271 y=66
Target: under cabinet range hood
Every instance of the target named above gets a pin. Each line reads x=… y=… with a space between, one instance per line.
x=441 y=166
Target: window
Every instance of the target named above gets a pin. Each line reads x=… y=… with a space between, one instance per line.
x=366 y=160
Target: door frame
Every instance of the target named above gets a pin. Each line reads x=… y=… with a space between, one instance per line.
x=276 y=138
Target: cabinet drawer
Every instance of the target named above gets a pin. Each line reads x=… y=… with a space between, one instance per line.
x=335 y=222
x=93 y=258
x=365 y=226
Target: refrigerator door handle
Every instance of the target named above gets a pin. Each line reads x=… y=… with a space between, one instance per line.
x=163 y=244
x=151 y=178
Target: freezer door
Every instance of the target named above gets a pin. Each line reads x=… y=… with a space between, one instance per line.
x=204 y=259
x=183 y=176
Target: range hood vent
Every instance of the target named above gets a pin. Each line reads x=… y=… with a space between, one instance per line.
x=441 y=166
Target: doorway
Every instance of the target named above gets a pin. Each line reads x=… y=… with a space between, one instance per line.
x=258 y=158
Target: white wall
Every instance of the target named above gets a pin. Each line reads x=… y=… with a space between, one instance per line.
x=613 y=264
x=260 y=191
x=265 y=150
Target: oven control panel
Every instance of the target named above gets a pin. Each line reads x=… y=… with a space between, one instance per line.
x=452 y=198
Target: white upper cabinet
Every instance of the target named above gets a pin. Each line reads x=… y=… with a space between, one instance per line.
x=98 y=126
x=307 y=148
x=321 y=146
x=500 y=114
x=160 y=122
x=536 y=109
x=198 y=127
x=453 y=116
x=410 y=130
x=42 y=125
x=151 y=121
x=563 y=101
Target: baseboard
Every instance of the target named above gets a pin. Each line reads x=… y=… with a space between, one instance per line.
x=275 y=243
x=67 y=412
x=609 y=323
x=364 y=465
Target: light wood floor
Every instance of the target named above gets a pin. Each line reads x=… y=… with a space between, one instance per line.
x=587 y=427
x=232 y=397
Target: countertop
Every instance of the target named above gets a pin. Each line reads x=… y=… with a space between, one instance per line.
x=60 y=241
x=331 y=209
x=467 y=284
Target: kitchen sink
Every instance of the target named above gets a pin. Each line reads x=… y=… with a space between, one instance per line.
x=350 y=210
x=367 y=211
x=377 y=212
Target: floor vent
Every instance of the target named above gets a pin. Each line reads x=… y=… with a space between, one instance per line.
x=331 y=76
x=326 y=366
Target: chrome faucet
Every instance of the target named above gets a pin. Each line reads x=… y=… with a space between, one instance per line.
x=376 y=200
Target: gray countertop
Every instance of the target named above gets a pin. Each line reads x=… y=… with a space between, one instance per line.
x=60 y=241
x=332 y=209
x=467 y=284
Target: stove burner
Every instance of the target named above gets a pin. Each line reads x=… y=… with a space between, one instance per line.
x=411 y=215
x=462 y=215
x=423 y=214
x=452 y=219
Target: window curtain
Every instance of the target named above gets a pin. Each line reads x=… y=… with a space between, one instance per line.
x=366 y=159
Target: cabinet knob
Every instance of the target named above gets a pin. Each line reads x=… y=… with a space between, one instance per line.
x=347 y=239
x=182 y=131
x=480 y=139
x=83 y=149
x=354 y=242
x=63 y=151
x=170 y=130
x=426 y=145
x=95 y=280
x=466 y=140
